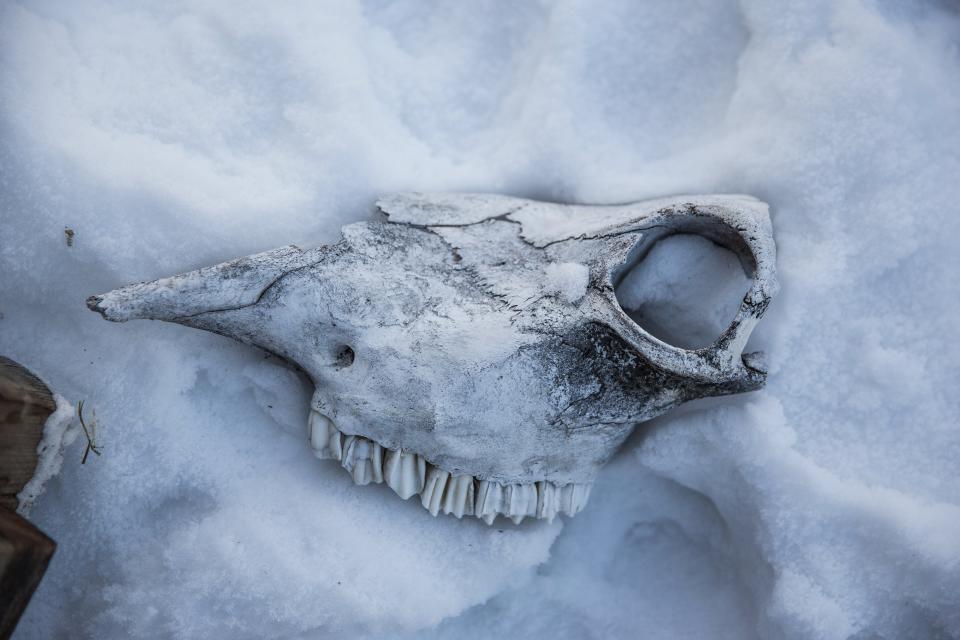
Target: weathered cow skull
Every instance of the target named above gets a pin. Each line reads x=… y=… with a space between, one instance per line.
x=470 y=348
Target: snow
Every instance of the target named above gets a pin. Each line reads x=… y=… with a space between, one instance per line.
x=568 y=280
x=170 y=138
x=59 y=432
x=683 y=290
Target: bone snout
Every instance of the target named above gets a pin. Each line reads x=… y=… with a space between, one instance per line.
x=229 y=285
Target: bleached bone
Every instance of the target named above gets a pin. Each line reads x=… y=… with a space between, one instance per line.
x=476 y=339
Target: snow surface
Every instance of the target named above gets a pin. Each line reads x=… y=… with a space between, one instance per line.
x=59 y=432
x=568 y=280
x=172 y=137
x=684 y=290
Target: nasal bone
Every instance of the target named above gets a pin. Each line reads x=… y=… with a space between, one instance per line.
x=229 y=285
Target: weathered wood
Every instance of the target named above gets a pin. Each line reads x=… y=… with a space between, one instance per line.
x=25 y=405
x=25 y=553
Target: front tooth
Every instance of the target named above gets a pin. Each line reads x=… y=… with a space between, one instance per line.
x=432 y=495
x=321 y=430
x=404 y=472
x=459 y=499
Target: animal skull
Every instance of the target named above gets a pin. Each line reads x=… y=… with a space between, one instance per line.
x=470 y=348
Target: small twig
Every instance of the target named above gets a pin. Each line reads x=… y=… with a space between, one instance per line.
x=90 y=432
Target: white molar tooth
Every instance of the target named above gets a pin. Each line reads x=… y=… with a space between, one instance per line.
x=573 y=497
x=459 y=499
x=532 y=496
x=581 y=495
x=336 y=445
x=376 y=462
x=546 y=500
x=362 y=459
x=566 y=497
x=392 y=465
x=348 y=452
x=404 y=472
x=489 y=500
x=409 y=474
x=521 y=501
x=432 y=496
x=320 y=430
x=507 y=507
x=420 y=470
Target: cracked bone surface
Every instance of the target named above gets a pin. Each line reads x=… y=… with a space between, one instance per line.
x=470 y=348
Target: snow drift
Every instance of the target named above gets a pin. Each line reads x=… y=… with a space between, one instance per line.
x=168 y=137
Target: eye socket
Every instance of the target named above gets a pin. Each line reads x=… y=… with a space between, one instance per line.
x=685 y=291
x=344 y=358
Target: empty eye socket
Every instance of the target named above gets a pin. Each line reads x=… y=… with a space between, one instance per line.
x=344 y=357
x=685 y=291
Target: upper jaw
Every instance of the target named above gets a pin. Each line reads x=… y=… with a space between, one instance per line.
x=408 y=473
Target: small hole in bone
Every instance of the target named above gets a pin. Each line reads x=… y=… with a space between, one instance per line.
x=685 y=291
x=344 y=357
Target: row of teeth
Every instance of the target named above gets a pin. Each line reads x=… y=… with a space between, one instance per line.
x=408 y=474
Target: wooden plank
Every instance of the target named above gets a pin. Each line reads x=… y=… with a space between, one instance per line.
x=25 y=405
x=25 y=553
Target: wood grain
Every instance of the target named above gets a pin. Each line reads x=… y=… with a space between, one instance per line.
x=25 y=553
x=25 y=405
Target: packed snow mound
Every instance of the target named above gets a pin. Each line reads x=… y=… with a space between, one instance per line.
x=826 y=506
x=567 y=280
